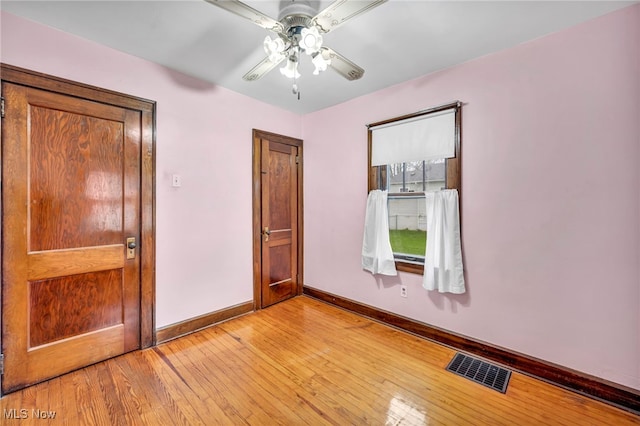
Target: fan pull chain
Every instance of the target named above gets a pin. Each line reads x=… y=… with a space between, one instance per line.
x=294 y=88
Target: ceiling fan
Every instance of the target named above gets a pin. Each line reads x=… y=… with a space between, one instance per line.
x=299 y=30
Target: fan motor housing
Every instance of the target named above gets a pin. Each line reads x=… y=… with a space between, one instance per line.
x=296 y=14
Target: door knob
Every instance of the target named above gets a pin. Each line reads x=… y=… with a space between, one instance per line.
x=266 y=232
x=131 y=248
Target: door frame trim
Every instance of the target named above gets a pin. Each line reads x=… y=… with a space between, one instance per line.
x=257 y=136
x=147 y=108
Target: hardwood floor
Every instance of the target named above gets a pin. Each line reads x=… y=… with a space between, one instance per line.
x=297 y=362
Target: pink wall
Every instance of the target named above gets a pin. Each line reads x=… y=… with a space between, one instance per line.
x=204 y=252
x=550 y=200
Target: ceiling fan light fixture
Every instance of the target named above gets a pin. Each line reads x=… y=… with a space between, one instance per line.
x=320 y=63
x=274 y=48
x=290 y=70
x=310 y=40
x=298 y=28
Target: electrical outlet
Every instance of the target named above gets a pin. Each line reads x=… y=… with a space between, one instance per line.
x=403 y=291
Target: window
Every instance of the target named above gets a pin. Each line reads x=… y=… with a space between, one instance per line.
x=408 y=156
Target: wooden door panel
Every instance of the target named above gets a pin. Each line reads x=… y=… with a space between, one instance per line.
x=76 y=180
x=67 y=355
x=280 y=177
x=64 y=307
x=70 y=200
x=280 y=214
x=57 y=263
x=279 y=264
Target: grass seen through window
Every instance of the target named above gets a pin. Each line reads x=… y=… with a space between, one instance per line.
x=407 y=241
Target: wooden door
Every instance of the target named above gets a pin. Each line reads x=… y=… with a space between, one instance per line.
x=277 y=218
x=71 y=198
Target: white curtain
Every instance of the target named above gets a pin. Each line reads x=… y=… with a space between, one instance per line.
x=443 y=269
x=377 y=255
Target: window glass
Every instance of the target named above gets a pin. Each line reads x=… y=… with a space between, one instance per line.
x=416 y=176
x=407 y=222
x=407 y=228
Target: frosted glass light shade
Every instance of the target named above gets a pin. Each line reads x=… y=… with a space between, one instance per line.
x=310 y=40
x=290 y=70
x=320 y=63
x=274 y=48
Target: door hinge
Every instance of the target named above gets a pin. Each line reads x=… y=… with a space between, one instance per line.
x=1 y=107
x=297 y=156
x=1 y=363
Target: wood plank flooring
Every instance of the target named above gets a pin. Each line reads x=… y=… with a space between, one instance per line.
x=300 y=362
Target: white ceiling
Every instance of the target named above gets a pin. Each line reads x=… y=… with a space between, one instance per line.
x=397 y=41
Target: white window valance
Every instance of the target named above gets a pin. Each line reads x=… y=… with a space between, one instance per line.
x=429 y=136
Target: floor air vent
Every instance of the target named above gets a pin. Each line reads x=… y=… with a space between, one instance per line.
x=479 y=371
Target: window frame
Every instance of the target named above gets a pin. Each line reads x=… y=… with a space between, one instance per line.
x=377 y=176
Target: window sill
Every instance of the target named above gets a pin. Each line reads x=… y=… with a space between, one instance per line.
x=410 y=267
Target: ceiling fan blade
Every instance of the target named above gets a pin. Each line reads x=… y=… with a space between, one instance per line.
x=341 y=11
x=342 y=65
x=261 y=69
x=247 y=12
